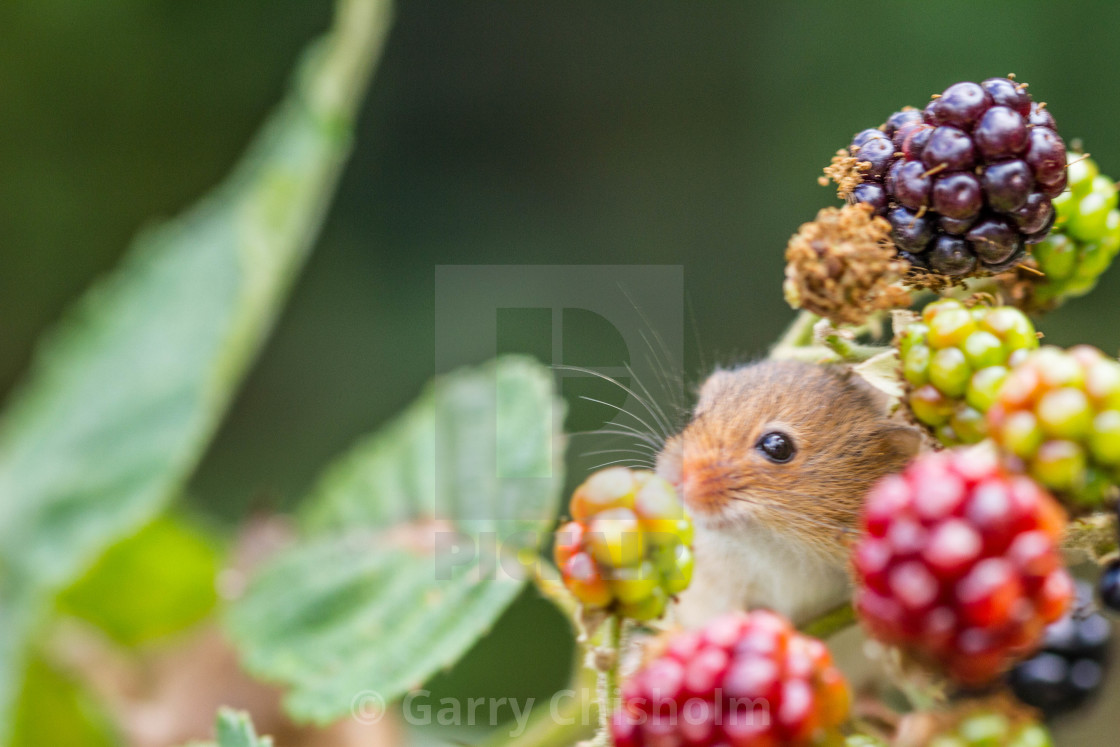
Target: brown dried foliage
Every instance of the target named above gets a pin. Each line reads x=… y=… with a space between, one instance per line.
x=843 y=266
x=846 y=171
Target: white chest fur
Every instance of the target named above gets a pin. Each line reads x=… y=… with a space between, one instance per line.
x=741 y=568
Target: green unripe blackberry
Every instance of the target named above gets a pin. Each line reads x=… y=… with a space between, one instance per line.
x=1058 y=414
x=1085 y=237
x=994 y=730
x=627 y=549
x=955 y=360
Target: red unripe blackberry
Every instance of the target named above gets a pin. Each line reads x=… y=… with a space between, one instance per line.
x=958 y=563
x=745 y=680
x=979 y=165
x=628 y=548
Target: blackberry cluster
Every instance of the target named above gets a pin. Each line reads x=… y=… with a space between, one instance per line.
x=628 y=547
x=745 y=679
x=958 y=563
x=1058 y=416
x=1070 y=667
x=968 y=182
x=1085 y=239
x=955 y=360
x=994 y=730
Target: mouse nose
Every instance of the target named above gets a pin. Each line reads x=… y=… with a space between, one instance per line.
x=705 y=482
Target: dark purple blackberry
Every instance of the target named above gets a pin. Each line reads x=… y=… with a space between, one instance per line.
x=1007 y=184
x=873 y=194
x=914 y=144
x=958 y=195
x=1108 y=588
x=900 y=118
x=1006 y=92
x=1040 y=116
x=879 y=152
x=950 y=255
x=1033 y=214
x=911 y=232
x=967 y=182
x=956 y=226
x=864 y=136
x=994 y=240
x=960 y=106
x=949 y=149
x=1056 y=187
x=1000 y=133
x=1071 y=665
x=908 y=184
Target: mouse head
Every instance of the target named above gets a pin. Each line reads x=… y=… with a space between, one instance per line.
x=789 y=446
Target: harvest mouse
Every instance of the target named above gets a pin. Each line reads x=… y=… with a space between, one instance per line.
x=773 y=467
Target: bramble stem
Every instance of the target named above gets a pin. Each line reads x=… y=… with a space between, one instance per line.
x=830 y=622
x=799 y=334
x=608 y=677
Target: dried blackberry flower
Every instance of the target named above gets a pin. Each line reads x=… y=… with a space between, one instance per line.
x=843 y=266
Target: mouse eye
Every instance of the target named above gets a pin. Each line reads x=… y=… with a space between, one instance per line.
x=778 y=447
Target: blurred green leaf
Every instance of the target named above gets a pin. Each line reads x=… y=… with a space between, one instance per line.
x=159 y=581
x=235 y=729
x=125 y=395
x=417 y=540
x=54 y=710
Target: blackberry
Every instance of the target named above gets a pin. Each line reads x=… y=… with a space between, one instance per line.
x=1058 y=417
x=1070 y=667
x=958 y=563
x=1084 y=241
x=967 y=183
x=628 y=547
x=1108 y=588
x=955 y=360
x=745 y=679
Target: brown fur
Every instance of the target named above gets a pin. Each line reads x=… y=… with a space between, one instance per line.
x=843 y=437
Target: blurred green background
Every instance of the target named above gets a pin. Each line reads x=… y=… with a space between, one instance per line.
x=504 y=132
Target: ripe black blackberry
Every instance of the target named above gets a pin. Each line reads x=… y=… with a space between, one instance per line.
x=1070 y=667
x=966 y=184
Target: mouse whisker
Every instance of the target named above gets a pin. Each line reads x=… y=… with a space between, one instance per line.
x=626 y=430
x=643 y=453
x=663 y=427
x=624 y=411
x=665 y=419
x=628 y=461
x=662 y=354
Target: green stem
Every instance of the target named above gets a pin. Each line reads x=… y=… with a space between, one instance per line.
x=608 y=678
x=799 y=334
x=830 y=622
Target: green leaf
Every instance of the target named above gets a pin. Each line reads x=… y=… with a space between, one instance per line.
x=416 y=543
x=123 y=398
x=116 y=594
x=55 y=710
x=235 y=729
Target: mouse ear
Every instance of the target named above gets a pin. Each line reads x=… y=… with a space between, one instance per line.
x=903 y=441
